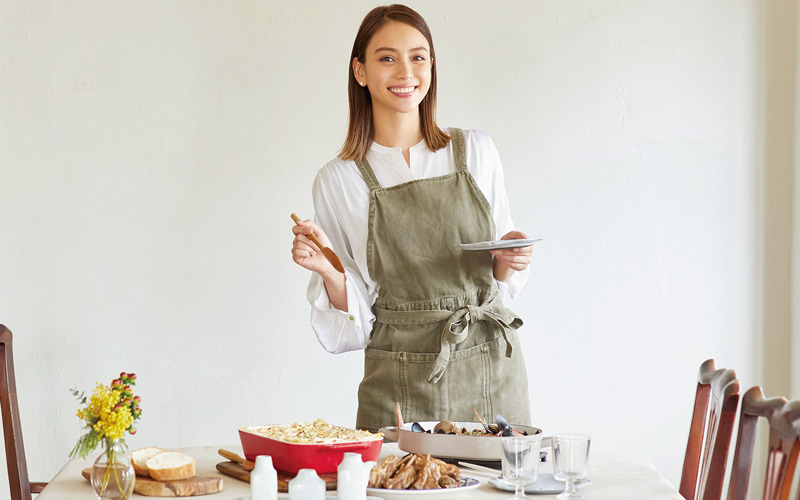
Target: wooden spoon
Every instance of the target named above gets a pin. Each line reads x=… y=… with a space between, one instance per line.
x=327 y=252
x=481 y=420
x=233 y=457
x=400 y=423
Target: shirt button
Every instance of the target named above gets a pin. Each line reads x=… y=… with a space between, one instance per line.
x=351 y=318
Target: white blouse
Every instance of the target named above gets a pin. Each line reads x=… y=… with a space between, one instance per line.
x=341 y=204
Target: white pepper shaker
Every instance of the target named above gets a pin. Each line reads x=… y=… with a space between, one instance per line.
x=307 y=485
x=352 y=477
x=264 y=479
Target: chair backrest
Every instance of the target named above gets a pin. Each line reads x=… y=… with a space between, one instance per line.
x=12 y=429
x=784 y=429
x=715 y=405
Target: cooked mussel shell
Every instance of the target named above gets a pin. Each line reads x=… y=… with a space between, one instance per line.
x=502 y=423
x=416 y=427
x=504 y=428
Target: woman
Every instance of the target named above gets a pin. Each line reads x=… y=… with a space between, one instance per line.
x=394 y=205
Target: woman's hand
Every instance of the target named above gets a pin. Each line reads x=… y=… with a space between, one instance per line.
x=508 y=260
x=305 y=253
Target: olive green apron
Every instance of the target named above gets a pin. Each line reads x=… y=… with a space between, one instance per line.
x=442 y=342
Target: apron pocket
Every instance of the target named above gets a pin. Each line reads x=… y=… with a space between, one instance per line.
x=479 y=377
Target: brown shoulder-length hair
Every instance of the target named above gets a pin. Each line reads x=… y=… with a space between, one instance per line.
x=361 y=128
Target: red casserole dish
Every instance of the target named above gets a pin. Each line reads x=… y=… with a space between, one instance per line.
x=291 y=457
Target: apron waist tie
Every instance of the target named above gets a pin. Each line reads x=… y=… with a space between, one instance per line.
x=456 y=327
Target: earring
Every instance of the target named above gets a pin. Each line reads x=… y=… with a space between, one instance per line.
x=361 y=83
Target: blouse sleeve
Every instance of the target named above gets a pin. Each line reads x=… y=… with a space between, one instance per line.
x=488 y=172
x=338 y=331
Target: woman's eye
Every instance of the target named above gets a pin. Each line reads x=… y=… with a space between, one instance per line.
x=419 y=58
x=387 y=59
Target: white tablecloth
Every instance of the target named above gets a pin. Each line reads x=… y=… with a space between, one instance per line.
x=613 y=477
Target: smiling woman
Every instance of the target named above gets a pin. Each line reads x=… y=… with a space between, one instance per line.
x=380 y=40
x=396 y=69
x=395 y=205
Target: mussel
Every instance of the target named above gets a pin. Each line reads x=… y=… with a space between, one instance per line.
x=504 y=428
x=501 y=428
x=416 y=427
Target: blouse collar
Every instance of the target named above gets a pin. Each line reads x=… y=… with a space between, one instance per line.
x=378 y=148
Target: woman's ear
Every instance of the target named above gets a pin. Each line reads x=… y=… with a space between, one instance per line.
x=358 y=71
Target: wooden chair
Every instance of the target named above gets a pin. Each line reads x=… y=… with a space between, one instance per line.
x=784 y=430
x=21 y=487
x=715 y=405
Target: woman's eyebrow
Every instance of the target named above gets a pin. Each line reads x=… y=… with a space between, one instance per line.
x=390 y=49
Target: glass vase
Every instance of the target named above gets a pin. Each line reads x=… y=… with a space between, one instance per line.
x=113 y=477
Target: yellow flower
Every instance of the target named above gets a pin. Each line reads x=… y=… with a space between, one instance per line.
x=115 y=423
x=102 y=401
x=106 y=417
x=109 y=413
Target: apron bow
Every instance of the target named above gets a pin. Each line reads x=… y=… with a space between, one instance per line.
x=456 y=329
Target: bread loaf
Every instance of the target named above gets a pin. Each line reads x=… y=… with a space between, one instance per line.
x=170 y=466
x=139 y=459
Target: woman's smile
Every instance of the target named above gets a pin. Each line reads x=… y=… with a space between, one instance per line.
x=403 y=91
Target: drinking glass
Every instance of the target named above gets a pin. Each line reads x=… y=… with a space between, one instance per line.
x=570 y=460
x=520 y=461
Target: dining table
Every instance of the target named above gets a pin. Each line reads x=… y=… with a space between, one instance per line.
x=610 y=477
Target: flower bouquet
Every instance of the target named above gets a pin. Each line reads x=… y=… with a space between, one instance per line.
x=109 y=413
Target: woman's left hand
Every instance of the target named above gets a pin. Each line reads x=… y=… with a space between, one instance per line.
x=508 y=260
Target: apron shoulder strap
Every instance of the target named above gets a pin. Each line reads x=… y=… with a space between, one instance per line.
x=368 y=174
x=459 y=148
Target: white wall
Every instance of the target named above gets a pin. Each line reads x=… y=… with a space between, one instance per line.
x=151 y=153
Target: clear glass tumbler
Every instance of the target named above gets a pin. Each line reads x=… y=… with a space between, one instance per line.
x=520 y=460
x=570 y=462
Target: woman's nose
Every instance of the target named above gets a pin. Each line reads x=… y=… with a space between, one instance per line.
x=405 y=70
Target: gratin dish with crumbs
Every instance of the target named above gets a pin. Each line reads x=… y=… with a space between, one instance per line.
x=314 y=445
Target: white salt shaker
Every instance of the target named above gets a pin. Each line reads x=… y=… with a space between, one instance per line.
x=307 y=485
x=352 y=477
x=264 y=479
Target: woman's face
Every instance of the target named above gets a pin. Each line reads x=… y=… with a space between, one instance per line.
x=396 y=69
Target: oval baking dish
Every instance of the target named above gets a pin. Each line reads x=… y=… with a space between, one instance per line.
x=451 y=445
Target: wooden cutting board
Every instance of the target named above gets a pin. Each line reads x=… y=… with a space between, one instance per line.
x=198 y=485
x=236 y=470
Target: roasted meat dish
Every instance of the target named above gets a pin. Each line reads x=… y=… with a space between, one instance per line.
x=414 y=471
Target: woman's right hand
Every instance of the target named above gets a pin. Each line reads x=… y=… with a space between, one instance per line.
x=305 y=253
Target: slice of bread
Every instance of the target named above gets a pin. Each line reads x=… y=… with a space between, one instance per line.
x=139 y=458
x=170 y=466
